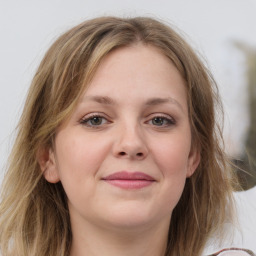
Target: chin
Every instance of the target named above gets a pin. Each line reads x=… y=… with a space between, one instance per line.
x=131 y=218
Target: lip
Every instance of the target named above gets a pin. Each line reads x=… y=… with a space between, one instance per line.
x=129 y=180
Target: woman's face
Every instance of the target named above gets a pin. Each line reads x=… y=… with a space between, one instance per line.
x=125 y=153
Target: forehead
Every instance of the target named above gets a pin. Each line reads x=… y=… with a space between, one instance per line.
x=142 y=69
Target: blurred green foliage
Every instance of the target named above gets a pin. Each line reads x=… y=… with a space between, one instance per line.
x=247 y=164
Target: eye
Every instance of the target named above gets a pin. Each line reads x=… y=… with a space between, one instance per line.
x=94 y=121
x=162 y=121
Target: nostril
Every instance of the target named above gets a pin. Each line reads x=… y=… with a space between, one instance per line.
x=139 y=154
x=122 y=153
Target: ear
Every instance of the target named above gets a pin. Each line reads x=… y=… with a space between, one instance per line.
x=47 y=163
x=193 y=161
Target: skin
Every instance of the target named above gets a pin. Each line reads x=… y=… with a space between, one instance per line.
x=138 y=100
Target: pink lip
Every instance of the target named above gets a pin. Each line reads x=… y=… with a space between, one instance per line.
x=129 y=180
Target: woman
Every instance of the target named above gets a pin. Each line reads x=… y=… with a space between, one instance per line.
x=118 y=151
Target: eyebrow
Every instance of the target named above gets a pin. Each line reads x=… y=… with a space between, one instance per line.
x=150 y=102
x=101 y=99
x=159 y=101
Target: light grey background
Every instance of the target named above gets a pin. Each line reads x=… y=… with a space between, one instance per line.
x=28 y=27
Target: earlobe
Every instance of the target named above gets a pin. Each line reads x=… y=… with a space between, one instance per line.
x=193 y=162
x=47 y=163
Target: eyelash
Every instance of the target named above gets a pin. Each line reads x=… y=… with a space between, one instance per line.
x=86 y=120
x=169 y=121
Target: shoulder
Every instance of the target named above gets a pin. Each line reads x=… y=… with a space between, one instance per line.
x=234 y=252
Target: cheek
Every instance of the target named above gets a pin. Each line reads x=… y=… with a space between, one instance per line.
x=79 y=155
x=78 y=160
x=172 y=157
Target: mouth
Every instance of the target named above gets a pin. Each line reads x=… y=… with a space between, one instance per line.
x=129 y=180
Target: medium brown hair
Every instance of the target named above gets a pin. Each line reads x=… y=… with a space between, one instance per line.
x=34 y=218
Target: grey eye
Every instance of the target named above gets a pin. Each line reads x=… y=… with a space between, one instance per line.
x=158 y=121
x=96 y=120
x=161 y=121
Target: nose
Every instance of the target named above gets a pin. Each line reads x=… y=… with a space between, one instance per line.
x=130 y=143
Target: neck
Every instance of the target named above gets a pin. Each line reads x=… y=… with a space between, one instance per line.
x=97 y=241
